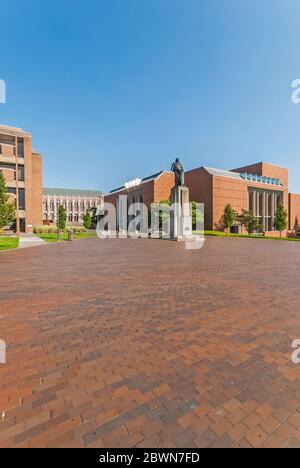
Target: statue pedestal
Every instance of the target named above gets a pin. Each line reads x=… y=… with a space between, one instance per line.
x=181 y=220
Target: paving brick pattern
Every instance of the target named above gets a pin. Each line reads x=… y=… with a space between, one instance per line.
x=124 y=343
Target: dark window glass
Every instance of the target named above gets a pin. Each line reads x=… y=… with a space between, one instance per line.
x=11 y=190
x=21 y=173
x=8 y=166
x=21 y=199
x=22 y=225
x=7 y=139
x=21 y=147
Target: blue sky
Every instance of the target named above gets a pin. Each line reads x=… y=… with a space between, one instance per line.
x=113 y=90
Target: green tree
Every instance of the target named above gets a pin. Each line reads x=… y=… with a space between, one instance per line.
x=87 y=220
x=249 y=221
x=7 y=209
x=228 y=217
x=280 y=219
x=197 y=215
x=94 y=217
x=62 y=219
x=162 y=216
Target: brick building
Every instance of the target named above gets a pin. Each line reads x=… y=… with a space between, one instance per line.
x=75 y=202
x=152 y=189
x=260 y=187
x=22 y=170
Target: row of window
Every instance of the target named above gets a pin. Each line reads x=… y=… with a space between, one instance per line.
x=21 y=196
x=72 y=218
x=7 y=140
x=12 y=167
x=71 y=207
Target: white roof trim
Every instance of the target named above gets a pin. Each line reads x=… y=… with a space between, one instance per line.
x=223 y=173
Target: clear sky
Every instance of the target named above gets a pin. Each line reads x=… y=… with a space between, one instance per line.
x=115 y=89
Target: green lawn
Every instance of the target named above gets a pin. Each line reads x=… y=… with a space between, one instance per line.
x=64 y=236
x=252 y=236
x=7 y=243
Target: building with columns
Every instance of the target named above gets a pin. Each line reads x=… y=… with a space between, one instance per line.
x=260 y=187
x=75 y=202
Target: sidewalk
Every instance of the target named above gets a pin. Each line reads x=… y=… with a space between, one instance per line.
x=30 y=240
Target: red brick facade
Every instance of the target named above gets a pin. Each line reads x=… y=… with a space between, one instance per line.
x=294 y=211
x=155 y=190
x=216 y=188
x=22 y=169
x=267 y=170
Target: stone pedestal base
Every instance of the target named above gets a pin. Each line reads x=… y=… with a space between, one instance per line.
x=181 y=220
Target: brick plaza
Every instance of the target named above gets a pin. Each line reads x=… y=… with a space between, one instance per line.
x=124 y=343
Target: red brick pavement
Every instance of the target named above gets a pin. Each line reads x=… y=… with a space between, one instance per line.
x=120 y=343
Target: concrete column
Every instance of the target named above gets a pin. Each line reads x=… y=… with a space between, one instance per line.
x=254 y=202
x=267 y=211
x=273 y=210
x=257 y=203
x=48 y=207
x=264 y=211
x=55 y=208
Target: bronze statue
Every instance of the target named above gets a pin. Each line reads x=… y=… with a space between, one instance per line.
x=178 y=170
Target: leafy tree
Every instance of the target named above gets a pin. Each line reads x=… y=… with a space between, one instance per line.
x=87 y=220
x=249 y=221
x=62 y=219
x=162 y=216
x=197 y=216
x=7 y=209
x=228 y=217
x=94 y=217
x=280 y=219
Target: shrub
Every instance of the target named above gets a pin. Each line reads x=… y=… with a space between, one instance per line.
x=228 y=218
x=87 y=220
x=76 y=229
x=280 y=220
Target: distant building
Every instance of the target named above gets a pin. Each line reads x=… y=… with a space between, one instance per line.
x=75 y=202
x=22 y=170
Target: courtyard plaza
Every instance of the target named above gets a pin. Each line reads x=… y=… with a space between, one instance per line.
x=142 y=343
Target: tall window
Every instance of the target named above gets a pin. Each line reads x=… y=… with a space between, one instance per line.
x=20 y=149
x=21 y=199
x=21 y=173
